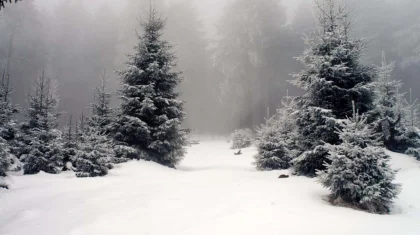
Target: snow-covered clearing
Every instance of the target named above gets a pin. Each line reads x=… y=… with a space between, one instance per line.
x=212 y=192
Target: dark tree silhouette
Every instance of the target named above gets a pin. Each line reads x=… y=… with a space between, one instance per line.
x=2 y=2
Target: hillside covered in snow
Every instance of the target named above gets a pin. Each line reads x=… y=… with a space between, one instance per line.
x=212 y=192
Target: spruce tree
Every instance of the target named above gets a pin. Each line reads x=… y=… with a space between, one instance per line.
x=95 y=152
x=333 y=76
x=275 y=139
x=242 y=138
x=412 y=112
x=8 y=111
x=410 y=138
x=314 y=127
x=9 y=132
x=102 y=112
x=70 y=146
x=359 y=173
x=4 y=162
x=45 y=141
x=151 y=116
x=387 y=115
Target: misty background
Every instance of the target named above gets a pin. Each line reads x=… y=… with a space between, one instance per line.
x=236 y=56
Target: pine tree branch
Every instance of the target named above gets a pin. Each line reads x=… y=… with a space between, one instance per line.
x=2 y=2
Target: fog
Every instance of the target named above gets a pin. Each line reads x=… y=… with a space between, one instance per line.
x=232 y=79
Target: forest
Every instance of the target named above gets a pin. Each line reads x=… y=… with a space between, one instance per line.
x=323 y=90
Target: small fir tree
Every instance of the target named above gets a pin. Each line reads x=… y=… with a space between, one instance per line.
x=412 y=112
x=276 y=139
x=8 y=128
x=151 y=116
x=45 y=153
x=101 y=119
x=8 y=111
x=4 y=162
x=45 y=141
x=95 y=152
x=102 y=112
x=410 y=138
x=242 y=138
x=70 y=146
x=387 y=115
x=359 y=173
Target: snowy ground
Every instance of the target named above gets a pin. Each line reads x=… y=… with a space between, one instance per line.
x=213 y=192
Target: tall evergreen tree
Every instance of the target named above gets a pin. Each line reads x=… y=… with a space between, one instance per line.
x=44 y=150
x=359 y=173
x=333 y=76
x=151 y=116
x=249 y=34
x=129 y=26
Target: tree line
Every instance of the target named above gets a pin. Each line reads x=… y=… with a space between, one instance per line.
x=147 y=125
x=242 y=69
x=349 y=112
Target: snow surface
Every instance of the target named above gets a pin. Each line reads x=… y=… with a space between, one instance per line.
x=213 y=192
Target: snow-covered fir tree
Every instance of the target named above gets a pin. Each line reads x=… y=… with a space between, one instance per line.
x=410 y=138
x=8 y=111
x=314 y=127
x=387 y=115
x=45 y=141
x=80 y=127
x=242 y=138
x=101 y=107
x=151 y=116
x=100 y=120
x=4 y=162
x=359 y=173
x=70 y=145
x=275 y=139
x=412 y=111
x=333 y=76
x=95 y=151
x=9 y=132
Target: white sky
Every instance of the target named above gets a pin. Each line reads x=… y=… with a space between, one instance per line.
x=209 y=10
